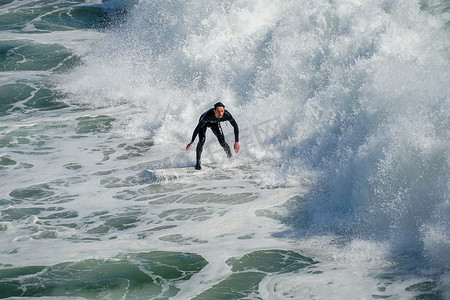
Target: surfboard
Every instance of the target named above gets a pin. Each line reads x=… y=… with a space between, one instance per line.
x=170 y=173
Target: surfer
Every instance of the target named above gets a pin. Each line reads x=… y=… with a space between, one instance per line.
x=212 y=119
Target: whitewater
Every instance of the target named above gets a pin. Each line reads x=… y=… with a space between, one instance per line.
x=340 y=189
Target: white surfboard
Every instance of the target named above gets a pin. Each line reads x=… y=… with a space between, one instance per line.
x=171 y=173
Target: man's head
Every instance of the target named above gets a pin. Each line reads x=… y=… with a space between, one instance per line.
x=219 y=110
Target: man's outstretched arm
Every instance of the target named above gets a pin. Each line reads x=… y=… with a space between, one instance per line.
x=200 y=124
x=236 y=134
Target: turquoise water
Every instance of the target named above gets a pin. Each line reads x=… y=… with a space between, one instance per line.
x=340 y=190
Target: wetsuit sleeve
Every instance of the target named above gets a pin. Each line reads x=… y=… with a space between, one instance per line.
x=236 y=129
x=200 y=124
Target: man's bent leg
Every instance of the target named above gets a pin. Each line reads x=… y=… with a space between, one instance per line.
x=201 y=142
x=219 y=134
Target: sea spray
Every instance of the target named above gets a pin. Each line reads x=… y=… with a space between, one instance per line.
x=361 y=89
x=343 y=110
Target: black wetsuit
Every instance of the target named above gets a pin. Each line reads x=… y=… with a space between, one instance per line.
x=208 y=119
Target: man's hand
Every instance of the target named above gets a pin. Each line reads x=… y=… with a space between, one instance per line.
x=236 y=147
x=189 y=146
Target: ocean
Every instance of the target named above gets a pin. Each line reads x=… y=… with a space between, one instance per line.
x=340 y=189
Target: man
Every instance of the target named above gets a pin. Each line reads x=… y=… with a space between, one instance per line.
x=212 y=119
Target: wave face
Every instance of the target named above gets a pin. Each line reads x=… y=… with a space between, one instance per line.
x=357 y=94
x=361 y=90
x=340 y=189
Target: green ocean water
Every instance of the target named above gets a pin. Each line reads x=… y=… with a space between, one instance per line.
x=337 y=193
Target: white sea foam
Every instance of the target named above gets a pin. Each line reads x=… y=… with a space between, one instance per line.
x=343 y=111
x=361 y=91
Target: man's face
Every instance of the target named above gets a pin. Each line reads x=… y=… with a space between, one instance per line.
x=219 y=112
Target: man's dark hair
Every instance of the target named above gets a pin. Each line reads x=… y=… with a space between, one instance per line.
x=219 y=104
